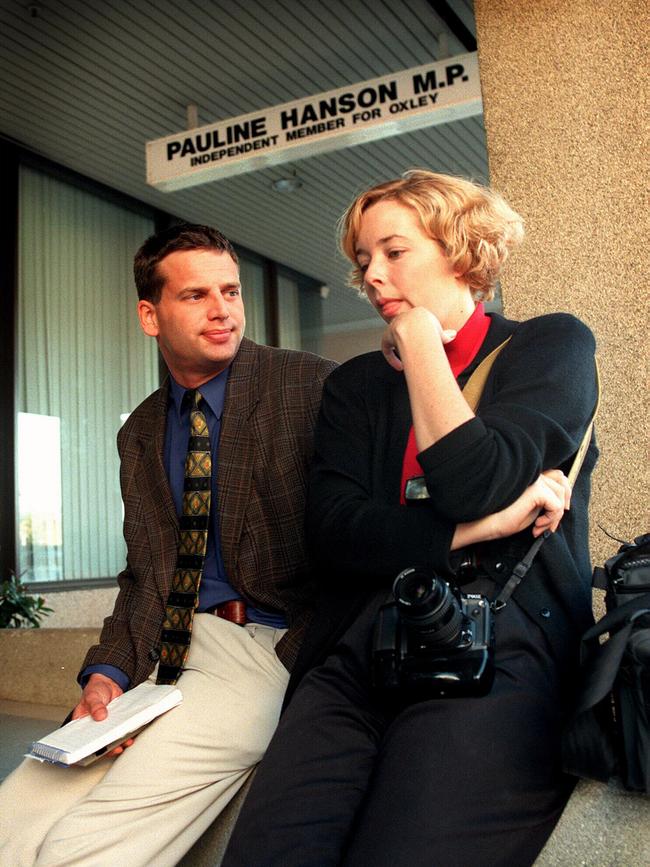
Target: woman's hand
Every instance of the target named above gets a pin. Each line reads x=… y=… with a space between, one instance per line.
x=413 y=342
x=542 y=504
x=415 y=326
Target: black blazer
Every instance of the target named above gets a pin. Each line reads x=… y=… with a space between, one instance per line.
x=537 y=402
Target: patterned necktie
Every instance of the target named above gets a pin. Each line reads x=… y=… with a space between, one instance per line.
x=179 y=611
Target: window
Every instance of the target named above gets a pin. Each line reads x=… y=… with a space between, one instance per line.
x=251 y=274
x=83 y=365
x=300 y=314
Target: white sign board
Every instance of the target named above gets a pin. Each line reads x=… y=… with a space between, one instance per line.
x=414 y=98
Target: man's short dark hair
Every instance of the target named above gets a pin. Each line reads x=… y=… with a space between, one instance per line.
x=181 y=236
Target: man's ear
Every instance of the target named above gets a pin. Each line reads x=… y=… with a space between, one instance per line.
x=148 y=318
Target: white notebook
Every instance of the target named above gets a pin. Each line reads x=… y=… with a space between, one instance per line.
x=82 y=741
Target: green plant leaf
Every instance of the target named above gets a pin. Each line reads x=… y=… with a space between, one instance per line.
x=18 y=607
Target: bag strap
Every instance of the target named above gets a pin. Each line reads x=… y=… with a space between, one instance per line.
x=527 y=561
x=473 y=391
x=474 y=386
x=584 y=445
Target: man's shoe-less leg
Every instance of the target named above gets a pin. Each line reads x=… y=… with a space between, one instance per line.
x=33 y=798
x=160 y=795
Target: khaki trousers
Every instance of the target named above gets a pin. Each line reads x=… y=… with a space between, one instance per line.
x=150 y=804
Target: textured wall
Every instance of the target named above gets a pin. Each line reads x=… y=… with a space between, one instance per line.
x=564 y=103
x=79 y=607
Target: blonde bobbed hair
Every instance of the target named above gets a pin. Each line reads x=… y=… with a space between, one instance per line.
x=475 y=226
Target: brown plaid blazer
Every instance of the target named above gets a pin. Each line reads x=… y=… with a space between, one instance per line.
x=272 y=399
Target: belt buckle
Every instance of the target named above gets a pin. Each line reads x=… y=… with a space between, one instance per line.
x=234 y=611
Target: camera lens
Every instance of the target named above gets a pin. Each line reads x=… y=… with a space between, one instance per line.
x=428 y=607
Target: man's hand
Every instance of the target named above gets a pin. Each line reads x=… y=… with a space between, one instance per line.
x=96 y=695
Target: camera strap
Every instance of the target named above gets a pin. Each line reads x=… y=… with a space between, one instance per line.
x=518 y=573
x=526 y=562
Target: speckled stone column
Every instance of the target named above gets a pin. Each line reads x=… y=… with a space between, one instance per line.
x=564 y=102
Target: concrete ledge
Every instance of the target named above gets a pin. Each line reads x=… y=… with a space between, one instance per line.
x=52 y=712
x=602 y=826
x=209 y=849
x=40 y=666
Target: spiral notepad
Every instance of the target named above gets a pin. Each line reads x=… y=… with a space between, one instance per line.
x=84 y=740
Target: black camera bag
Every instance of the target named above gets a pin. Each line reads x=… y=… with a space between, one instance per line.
x=608 y=734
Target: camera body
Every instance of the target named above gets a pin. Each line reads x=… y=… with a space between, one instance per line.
x=432 y=641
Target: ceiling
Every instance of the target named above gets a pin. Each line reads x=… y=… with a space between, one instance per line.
x=86 y=83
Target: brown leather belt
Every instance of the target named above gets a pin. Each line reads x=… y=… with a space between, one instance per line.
x=234 y=610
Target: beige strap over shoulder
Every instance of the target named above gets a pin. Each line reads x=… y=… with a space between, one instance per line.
x=474 y=389
x=476 y=383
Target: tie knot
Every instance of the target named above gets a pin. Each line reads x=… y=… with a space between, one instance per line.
x=193 y=397
x=198 y=421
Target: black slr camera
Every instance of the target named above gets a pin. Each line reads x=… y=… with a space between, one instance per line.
x=432 y=641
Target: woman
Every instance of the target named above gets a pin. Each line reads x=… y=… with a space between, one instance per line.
x=352 y=777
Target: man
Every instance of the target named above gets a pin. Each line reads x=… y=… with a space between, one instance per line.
x=150 y=801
